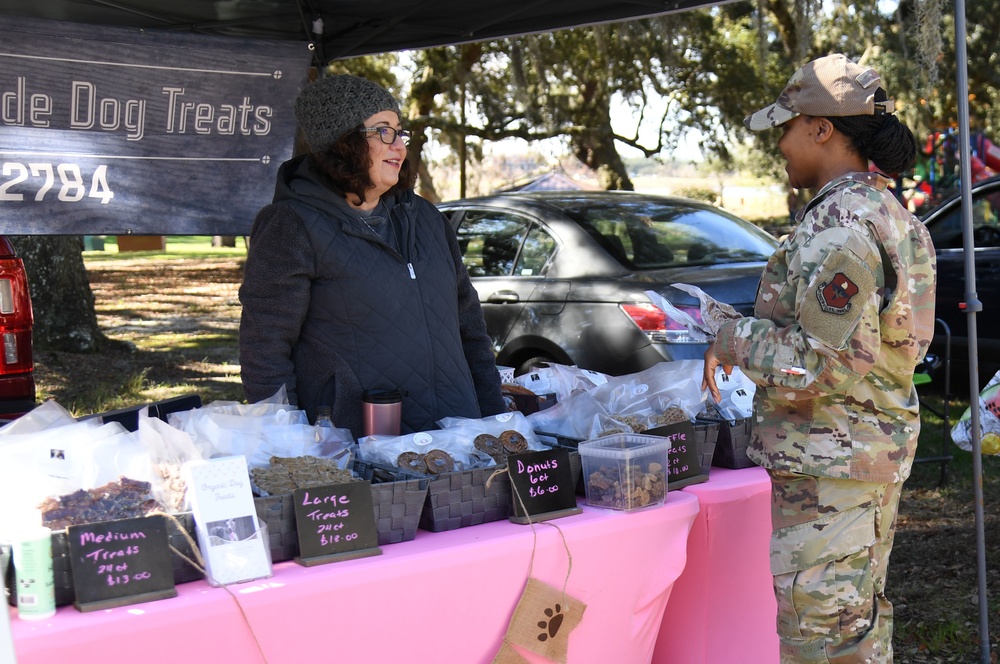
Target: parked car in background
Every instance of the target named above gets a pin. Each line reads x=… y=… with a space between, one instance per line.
x=562 y=275
x=17 y=378
x=945 y=225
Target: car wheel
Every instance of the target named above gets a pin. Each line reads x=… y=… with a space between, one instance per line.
x=531 y=364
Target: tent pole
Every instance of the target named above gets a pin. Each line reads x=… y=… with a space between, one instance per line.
x=973 y=305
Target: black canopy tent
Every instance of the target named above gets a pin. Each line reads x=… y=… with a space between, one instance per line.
x=349 y=28
x=346 y=28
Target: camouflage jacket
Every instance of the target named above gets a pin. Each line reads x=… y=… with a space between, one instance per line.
x=844 y=313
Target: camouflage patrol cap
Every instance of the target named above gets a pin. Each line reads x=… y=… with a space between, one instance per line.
x=831 y=86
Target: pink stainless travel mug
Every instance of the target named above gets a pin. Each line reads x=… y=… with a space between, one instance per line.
x=381 y=411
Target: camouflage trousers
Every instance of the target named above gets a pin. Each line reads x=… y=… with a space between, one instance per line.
x=830 y=546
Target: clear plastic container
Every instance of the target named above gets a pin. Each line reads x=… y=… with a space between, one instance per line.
x=625 y=471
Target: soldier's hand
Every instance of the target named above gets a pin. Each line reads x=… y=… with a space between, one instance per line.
x=708 y=377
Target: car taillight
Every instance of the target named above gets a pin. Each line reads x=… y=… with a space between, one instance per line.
x=656 y=325
x=15 y=318
x=10 y=355
x=6 y=296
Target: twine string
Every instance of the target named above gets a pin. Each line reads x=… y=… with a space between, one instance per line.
x=534 y=534
x=203 y=568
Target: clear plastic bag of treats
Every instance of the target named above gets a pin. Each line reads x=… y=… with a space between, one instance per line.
x=713 y=312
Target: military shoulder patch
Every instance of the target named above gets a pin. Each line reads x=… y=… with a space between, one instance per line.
x=839 y=292
x=835 y=295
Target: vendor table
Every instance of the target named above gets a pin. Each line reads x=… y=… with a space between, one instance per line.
x=722 y=608
x=443 y=597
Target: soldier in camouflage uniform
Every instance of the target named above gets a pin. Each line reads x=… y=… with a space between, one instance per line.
x=844 y=313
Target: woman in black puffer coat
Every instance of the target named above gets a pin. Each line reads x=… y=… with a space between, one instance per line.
x=354 y=283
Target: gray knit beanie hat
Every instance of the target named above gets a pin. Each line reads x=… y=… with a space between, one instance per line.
x=332 y=106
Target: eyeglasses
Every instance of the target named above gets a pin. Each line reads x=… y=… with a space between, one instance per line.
x=388 y=135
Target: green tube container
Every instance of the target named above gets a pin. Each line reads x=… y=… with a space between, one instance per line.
x=36 y=592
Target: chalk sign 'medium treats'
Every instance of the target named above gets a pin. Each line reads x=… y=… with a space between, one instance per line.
x=120 y=562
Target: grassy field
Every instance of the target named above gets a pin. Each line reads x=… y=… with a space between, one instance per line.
x=178 y=246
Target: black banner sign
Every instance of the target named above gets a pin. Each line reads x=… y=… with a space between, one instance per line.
x=118 y=131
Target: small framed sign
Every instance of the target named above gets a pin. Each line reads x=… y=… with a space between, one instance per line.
x=542 y=486
x=335 y=522
x=122 y=562
x=232 y=539
x=683 y=461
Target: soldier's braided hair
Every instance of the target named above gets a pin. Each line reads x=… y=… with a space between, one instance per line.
x=882 y=139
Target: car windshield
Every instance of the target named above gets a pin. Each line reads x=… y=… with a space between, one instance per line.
x=648 y=235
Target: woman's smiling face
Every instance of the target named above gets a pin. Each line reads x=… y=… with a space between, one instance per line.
x=386 y=160
x=798 y=147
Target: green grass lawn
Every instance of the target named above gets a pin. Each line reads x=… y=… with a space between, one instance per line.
x=178 y=246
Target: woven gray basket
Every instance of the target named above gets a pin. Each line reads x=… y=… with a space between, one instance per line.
x=461 y=499
x=397 y=507
x=733 y=443
x=706 y=435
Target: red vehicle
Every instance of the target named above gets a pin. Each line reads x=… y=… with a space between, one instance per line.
x=17 y=378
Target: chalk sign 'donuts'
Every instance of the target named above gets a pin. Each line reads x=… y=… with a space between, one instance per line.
x=542 y=486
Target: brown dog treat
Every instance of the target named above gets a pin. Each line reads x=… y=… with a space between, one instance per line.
x=513 y=442
x=412 y=462
x=490 y=444
x=439 y=461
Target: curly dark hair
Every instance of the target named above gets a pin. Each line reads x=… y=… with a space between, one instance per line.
x=346 y=164
x=882 y=139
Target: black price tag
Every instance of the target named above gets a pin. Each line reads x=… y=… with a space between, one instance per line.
x=543 y=483
x=122 y=562
x=683 y=460
x=335 y=522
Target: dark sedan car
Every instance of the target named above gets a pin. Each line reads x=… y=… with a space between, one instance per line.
x=945 y=225
x=562 y=275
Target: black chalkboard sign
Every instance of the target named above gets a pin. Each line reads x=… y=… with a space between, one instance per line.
x=122 y=562
x=543 y=484
x=335 y=522
x=683 y=461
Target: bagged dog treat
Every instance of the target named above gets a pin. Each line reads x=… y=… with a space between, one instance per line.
x=989 y=420
x=561 y=380
x=737 y=393
x=713 y=312
x=633 y=402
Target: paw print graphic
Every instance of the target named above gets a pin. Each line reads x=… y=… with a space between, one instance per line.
x=552 y=623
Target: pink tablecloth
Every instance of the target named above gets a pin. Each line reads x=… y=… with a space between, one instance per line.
x=441 y=598
x=722 y=608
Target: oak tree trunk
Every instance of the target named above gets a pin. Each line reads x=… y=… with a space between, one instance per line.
x=61 y=298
